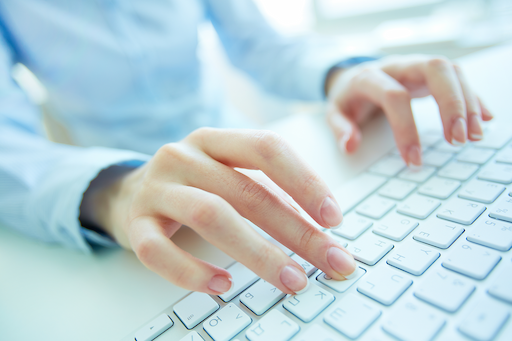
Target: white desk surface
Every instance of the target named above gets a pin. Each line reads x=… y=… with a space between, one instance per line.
x=51 y=293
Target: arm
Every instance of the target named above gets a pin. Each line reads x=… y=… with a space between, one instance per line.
x=293 y=68
x=42 y=183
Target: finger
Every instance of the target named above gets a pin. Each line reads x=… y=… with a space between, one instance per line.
x=445 y=87
x=346 y=132
x=473 y=108
x=486 y=114
x=269 y=211
x=267 y=151
x=218 y=223
x=159 y=254
x=383 y=90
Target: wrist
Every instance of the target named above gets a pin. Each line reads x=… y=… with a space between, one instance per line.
x=101 y=200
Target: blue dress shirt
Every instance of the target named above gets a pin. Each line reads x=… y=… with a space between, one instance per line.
x=124 y=78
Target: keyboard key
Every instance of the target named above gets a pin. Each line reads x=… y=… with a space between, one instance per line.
x=308 y=268
x=242 y=279
x=471 y=260
x=484 y=320
x=154 y=328
x=308 y=305
x=343 y=242
x=429 y=139
x=497 y=172
x=460 y=211
x=395 y=226
x=194 y=308
x=495 y=138
x=397 y=189
x=352 y=226
x=261 y=297
x=500 y=287
x=192 y=336
x=388 y=166
x=438 y=233
x=375 y=207
x=491 y=233
x=436 y=158
x=439 y=187
x=418 y=206
x=505 y=156
x=458 y=170
x=340 y=286
x=412 y=321
x=444 y=146
x=384 y=285
x=481 y=191
x=475 y=155
x=369 y=249
x=502 y=209
x=395 y=150
x=420 y=175
x=226 y=323
x=357 y=189
x=445 y=290
x=351 y=316
x=273 y=326
x=317 y=333
x=413 y=258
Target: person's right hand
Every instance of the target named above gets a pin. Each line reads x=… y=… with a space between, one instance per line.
x=193 y=182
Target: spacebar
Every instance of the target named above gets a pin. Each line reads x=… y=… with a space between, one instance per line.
x=356 y=190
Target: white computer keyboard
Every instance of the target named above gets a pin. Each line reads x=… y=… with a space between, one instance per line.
x=433 y=250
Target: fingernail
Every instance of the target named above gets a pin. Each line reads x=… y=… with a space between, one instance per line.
x=341 y=262
x=459 y=132
x=294 y=279
x=220 y=283
x=414 y=157
x=475 y=127
x=331 y=212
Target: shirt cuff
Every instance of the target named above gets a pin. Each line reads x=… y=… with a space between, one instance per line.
x=56 y=204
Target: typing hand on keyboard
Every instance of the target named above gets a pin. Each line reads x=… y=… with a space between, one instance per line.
x=389 y=84
x=194 y=183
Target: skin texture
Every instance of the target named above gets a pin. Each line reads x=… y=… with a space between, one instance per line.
x=214 y=178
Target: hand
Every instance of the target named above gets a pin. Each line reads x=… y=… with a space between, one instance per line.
x=390 y=83
x=194 y=183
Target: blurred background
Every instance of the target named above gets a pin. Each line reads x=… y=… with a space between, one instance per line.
x=452 y=28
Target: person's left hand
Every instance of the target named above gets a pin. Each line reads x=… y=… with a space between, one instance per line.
x=357 y=93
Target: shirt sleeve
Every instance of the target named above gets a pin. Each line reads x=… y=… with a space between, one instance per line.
x=41 y=182
x=292 y=68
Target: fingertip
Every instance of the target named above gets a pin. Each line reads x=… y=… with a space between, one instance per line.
x=475 y=129
x=413 y=160
x=220 y=284
x=354 y=141
x=458 y=131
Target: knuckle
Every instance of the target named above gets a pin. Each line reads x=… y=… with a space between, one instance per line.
x=307 y=240
x=264 y=258
x=438 y=62
x=269 y=144
x=254 y=195
x=454 y=103
x=206 y=213
x=199 y=133
x=144 y=249
x=311 y=183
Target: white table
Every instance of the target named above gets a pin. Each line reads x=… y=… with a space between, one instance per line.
x=51 y=293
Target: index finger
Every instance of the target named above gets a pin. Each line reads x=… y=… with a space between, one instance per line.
x=267 y=151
